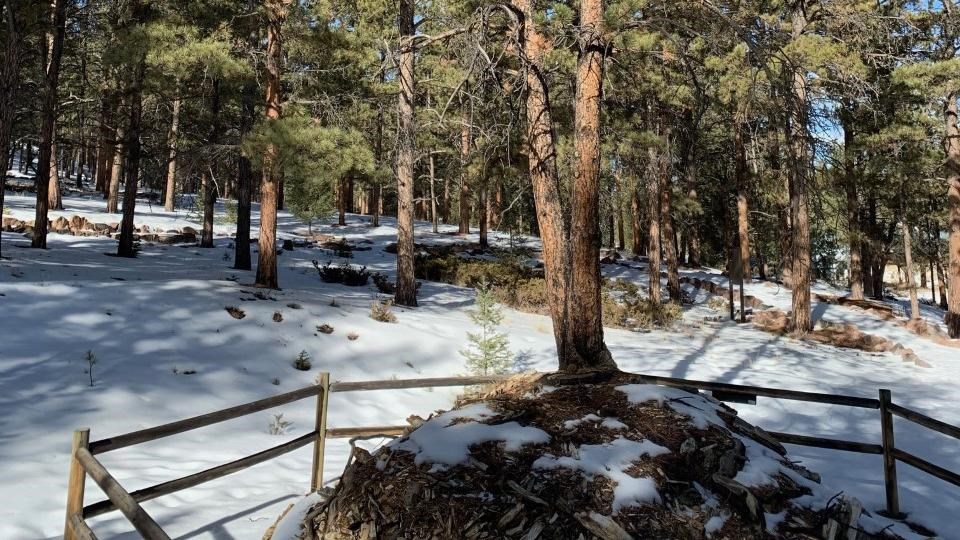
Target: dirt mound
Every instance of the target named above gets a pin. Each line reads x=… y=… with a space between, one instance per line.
x=606 y=460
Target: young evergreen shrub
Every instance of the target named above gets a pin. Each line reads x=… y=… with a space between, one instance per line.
x=488 y=351
x=344 y=273
x=302 y=361
x=383 y=283
x=279 y=426
x=380 y=310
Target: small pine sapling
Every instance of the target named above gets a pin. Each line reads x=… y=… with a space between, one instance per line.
x=488 y=351
x=91 y=360
x=279 y=426
x=302 y=361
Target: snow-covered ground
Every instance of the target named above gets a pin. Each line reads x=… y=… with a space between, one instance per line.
x=151 y=320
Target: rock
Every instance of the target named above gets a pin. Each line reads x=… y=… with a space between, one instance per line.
x=288 y=245
x=325 y=329
x=189 y=230
x=113 y=226
x=144 y=229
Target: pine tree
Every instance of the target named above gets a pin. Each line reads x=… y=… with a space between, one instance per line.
x=489 y=351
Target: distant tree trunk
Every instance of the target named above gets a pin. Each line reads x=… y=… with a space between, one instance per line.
x=799 y=173
x=484 y=215
x=9 y=83
x=51 y=82
x=132 y=149
x=241 y=257
x=635 y=229
x=267 y=248
x=653 y=244
x=952 y=148
x=207 y=173
x=105 y=144
x=908 y=256
x=853 y=211
x=172 y=140
x=465 y=142
x=618 y=209
x=743 y=214
x=54 y=199
x=433 y=196
x=342 y=201
x=406 y=288
x=666 y=224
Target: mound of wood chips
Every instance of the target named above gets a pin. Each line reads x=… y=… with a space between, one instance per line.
x=713 y=475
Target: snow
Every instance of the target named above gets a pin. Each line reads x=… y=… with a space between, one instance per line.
x=714 y=524
x=444 y=441
x=144 y=317
x=291 y=526
x=609 y=423
x=612 y=460
x=702 y=413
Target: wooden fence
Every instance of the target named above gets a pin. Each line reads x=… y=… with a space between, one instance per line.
x=84 y=463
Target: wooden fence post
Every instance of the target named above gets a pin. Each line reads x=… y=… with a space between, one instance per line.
x=323 y=398
x=889 y=461
x=75 y=482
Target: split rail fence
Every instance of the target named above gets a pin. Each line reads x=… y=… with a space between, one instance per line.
x=84 y=463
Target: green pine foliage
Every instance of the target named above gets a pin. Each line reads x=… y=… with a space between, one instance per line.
x=488 y=352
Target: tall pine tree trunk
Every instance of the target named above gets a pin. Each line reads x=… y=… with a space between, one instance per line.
x=51 y=81
x=542 y=165
x=54 y=199
x=210 y=189
x=668 y=241
x=743 y=211
x=172 y=140
x=853 y=210
x=245 y=184
x=653 y=244
x=952 y=147
x=267 y=247
x=908 y=257
x=799 y=174
x=406 y=288
x=116 y=168
x=132 y=161
x=465 y=142
x=584 y=301
x=636 y=233
x=9 y=82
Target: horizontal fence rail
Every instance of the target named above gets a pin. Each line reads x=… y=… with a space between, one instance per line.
x=84 y=463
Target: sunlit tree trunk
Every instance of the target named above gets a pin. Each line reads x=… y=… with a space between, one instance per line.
x=172 y=140
x=465 y=142
x=668 y=241
x=952 y=147
x=799 y=173
x=653 y=215
x=908 y=257
x=267 y=246
x=743 y=211
x=406 y=288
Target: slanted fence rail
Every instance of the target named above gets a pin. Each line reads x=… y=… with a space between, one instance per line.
x=84 y=463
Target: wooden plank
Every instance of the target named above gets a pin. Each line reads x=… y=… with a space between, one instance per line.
x=76 y=482
x=832 y=444
x=371 y=431
x=180 y=426
x=140 y=519
x=812 y=397
x=401 y=384
x=80 y=529
x=889 y=461
x=320 y=428
x=185 y=482
x=935 y=470
x=924 y=420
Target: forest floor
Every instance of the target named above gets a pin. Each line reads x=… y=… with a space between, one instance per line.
x=166 y=349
